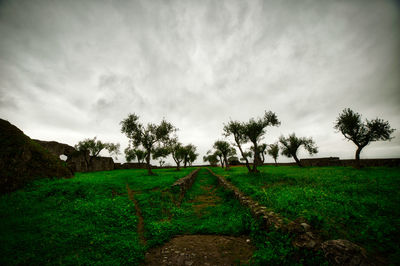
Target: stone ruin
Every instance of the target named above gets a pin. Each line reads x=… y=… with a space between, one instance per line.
x=22 y=160
x=78 y=161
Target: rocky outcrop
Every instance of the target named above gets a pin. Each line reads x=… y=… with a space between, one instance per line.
x=22 y=160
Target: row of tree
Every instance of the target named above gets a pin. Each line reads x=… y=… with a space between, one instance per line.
x=155 y=141
x=158 y=141
x=348 y=123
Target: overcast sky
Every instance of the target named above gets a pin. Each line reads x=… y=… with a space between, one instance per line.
x=70 y=70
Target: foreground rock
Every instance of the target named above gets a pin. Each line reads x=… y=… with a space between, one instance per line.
x=344 y=252
x=23 y=160
x=194 y=250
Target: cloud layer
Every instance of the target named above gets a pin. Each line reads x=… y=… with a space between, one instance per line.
x=74 y=69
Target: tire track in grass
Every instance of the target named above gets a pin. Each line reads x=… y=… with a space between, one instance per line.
x=140 y=225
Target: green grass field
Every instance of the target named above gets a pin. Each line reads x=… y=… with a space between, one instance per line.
x=83 y=220
x=90 y=219
x=362 y=206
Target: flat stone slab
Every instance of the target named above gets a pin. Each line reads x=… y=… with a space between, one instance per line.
x=193 y=250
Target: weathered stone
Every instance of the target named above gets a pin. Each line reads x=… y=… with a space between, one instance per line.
x=344 y=252
x=183 y=184
x=23 y=160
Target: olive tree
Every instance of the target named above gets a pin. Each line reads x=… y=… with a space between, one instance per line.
x=362 y=133
x=160 y=153
x=291 y=144
x=190 y=154
x=132 y=154
x=177 y=152
x=149 y=136
x=226 y=150
x=273 y=151
x=93 y=147
x=262 y=150
x=212 y=158
x=236 y=129
x=255 y=129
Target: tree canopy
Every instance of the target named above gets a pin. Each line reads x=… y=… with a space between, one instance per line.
x=93 y=147
x=273 y=151
x=362 y=133
x=190 y=154
x=132 y=154
x=177 y=152
x=236 y=129
x=255 y=130
x=291 y=144
x=212 y=158
x=226 y=150
x=146 y=136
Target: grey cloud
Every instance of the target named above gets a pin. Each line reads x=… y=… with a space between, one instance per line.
x=76 y=69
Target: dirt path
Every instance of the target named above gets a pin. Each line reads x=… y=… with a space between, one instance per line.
x=202 y=249
x=140 y=225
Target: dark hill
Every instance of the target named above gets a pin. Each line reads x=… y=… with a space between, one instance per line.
x=23 y=160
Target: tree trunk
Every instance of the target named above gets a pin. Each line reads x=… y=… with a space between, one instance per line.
x=263 y=158
x=297 y=160
x=222 y=162
x=184 y=163
x=148 y=163
x=276 y=164
x=226 y=163
x=245 y=158
x=358 y=151
x=256 y=157
x=178 y=166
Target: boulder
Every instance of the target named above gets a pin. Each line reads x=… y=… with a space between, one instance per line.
x=344 y=252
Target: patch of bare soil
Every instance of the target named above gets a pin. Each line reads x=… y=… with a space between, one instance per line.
x=140 y=226
x=192 y=250
x=209 y=199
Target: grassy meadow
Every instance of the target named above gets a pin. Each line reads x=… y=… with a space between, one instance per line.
x=87 y=219
x=90 y=219
x=361 y=205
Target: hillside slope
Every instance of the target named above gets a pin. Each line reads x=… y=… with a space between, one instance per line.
x=23 y=160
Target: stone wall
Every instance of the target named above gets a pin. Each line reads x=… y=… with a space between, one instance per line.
x=78 y=161
x=101 y=164
x=335 y=161
x=337 y=252
x=183 y=184
x=131 y=166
